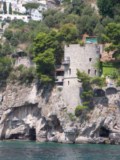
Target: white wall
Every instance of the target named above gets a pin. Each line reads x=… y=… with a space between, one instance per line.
x=12 y=17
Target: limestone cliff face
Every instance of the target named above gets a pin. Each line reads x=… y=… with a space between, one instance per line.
x=31 y=112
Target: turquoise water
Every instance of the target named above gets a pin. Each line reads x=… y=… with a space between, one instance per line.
x=16 y=150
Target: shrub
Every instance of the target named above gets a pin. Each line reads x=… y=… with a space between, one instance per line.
x=27 y=75
x=114 y=74
x=81 y=43
x=98 y=81
x=83 y=76
x=118 y=81
x=87 y=93
x=23 y=74
x=71 y=116
x=8 y=34
x=79 y=109
x=5 y=67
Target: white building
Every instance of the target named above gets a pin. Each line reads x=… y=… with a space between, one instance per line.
x=14 y=17
x=42 y=6
x=18 y=6
x=36 y=15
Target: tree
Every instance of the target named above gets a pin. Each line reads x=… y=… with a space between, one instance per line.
x=98 y=31
x=50 y=21
x=69 y=33
x=106 y=20
x=45 y=65
x=30 y=6
x=108 y=7
x=5 y=67
x=112 y=36
x=8 y=34
x=47 y=53
x=53 y=18
x=87 y=93
x=70 y=18
x=75 y=7
x=6 y=49
x=87 y=24
x=44 y=55
x=88 y=10
x=10 y=8
x=14 y=41
x=4 y=8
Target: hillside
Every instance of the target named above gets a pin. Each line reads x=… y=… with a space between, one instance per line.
x=58 y=82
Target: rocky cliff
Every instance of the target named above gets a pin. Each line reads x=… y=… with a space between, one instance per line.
x=35 y=113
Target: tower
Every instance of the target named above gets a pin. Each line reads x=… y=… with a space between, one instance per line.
x=84 y=59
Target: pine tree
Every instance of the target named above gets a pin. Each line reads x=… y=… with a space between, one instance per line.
x=10 y=8
x=4 y=8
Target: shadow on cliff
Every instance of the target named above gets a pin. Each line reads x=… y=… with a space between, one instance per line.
x=3 y=84
x=20 y=122
x=45 y=91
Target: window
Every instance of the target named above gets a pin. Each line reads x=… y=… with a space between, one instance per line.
x=88 y=71
x=95 y=72
x=90 y=59
x=69 y=71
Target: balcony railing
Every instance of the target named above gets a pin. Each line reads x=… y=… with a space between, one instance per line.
x=59 y=79
x=66 y=61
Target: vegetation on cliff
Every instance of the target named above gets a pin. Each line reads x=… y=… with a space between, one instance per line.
x=44 y=41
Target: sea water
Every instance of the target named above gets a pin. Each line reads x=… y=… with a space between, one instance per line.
x=18 y=150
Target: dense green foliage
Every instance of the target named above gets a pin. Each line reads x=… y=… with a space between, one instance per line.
x=5 y=67
x=112 y=36
x=10 y=8
x=87 y=93
x=4 y=7
x=47 y=52
x=118 y=82
x=87 y=84
x=98 y=81
x=44 y=41
x=109 y=7
x=22 y=74
x=30 y=6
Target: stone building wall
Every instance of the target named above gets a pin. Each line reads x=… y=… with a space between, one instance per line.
x=71 y=93
x=25 y=61
x=83 y=58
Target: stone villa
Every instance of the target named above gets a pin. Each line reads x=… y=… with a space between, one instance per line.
x=76 y=57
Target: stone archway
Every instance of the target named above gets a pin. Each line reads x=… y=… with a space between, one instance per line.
x=99 y=93
x=111 y=90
